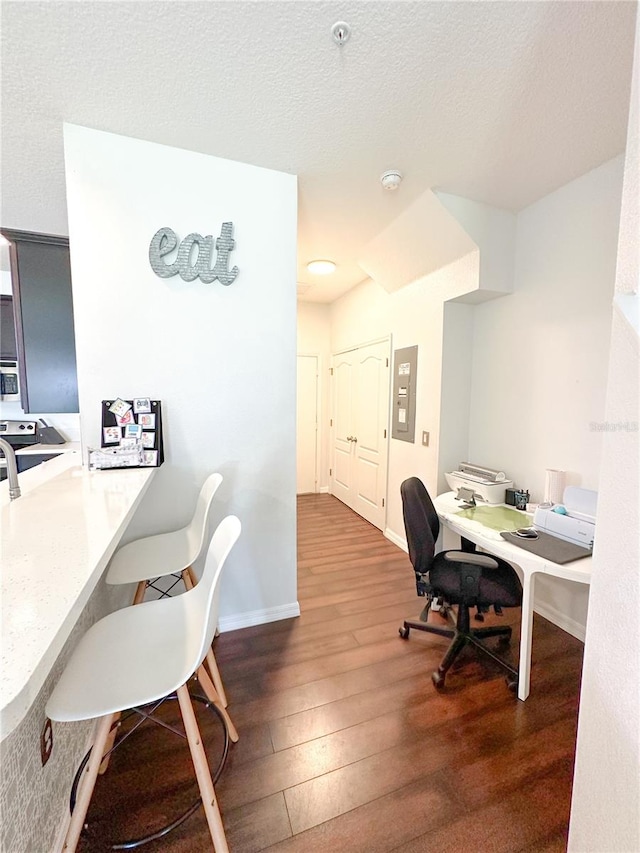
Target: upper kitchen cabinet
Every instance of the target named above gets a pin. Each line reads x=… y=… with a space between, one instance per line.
x=8 y=351
x=41 y=283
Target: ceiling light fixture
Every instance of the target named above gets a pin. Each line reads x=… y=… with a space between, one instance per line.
x=391 y=180
x=321 y=267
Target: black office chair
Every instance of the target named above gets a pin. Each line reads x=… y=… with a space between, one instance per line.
x=463 y=578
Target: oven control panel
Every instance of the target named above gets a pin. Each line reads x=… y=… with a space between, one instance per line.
x=17 y=428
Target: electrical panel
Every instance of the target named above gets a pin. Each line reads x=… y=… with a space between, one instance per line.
x=403 y=415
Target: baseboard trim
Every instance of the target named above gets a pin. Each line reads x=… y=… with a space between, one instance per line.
x=258 y=617
x=323 y=490
x=561 y=620
x=397 y=540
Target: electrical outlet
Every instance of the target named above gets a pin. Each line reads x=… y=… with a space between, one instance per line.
x=425 y=438
x=46 y=741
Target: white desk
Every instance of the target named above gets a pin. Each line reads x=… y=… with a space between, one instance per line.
x=527 y=563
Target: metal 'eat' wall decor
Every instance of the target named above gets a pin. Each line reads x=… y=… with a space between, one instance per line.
x=165 y=241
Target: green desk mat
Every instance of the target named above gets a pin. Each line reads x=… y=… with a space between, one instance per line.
x=496 y=517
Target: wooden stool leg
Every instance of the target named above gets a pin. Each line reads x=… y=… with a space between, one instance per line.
x=190 y=581
x=212 y=695
x=87 y=785
x=215 y=676
x=209 y=801
x=140 y=591
x=109 y=744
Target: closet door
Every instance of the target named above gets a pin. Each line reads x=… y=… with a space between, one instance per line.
x=341 y=477
x=360 y=394
x=307 y=425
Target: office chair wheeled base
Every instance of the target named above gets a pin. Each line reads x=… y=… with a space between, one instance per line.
x=420 y=626
x=463 y=634
x=443 y=609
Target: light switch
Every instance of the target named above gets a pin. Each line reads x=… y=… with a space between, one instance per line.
x=425 y=438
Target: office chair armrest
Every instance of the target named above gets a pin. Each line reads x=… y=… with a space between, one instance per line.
x=472 y=559
x=470 y=566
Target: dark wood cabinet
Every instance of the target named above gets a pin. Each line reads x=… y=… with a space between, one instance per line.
x=25 y=462
x=8 y=351
x=41 y=282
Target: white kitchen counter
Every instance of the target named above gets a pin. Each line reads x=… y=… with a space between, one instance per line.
x=36 y=449
x=57 y=539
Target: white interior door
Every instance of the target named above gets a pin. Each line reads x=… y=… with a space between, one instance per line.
x=360 y=386
x=342 y=470
x=307 y=425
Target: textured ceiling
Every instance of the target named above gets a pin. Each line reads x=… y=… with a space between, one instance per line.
x=498 y=102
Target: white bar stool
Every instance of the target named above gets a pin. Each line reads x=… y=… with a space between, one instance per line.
x=139 y=655
x=145 y=560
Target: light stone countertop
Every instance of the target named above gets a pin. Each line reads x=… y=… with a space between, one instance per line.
x=36 y=449
x=57 y=539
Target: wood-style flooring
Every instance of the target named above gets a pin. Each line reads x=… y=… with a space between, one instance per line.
x=345 y=745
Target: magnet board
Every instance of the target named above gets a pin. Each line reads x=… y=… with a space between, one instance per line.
x=149 y=422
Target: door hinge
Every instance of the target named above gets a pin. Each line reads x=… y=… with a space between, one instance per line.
x=330 y=471
x=387 y=362
x=330 y=421
x=382 y=501
x=385 y=433
x=331 y=370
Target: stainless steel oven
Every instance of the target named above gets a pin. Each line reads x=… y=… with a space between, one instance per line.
x=18 y=434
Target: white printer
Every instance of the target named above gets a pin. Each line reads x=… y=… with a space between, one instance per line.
x=574 y=520
x=488 y=486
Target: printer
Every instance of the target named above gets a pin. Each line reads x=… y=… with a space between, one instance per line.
x=488 y=486
x=574 y=520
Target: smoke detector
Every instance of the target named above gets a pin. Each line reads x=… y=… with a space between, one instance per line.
x=391 y=180
x=341 y=32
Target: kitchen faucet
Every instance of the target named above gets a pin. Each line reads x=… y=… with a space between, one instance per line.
x=12 y=469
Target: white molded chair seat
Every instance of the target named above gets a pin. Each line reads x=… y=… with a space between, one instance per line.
x=131 y=657
x=166 y=553
x=138 y=655
x=170 y=553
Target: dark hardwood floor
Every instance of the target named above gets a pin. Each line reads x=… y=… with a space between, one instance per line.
x=345 y=745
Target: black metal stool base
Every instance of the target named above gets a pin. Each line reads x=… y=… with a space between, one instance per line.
x=215 y=775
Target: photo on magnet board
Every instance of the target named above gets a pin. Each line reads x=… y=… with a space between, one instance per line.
x=141 y=405
x=147 y=421
x=111 y=435
x=119 y=407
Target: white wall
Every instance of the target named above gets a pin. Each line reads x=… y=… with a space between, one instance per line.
x=221 y=359
x=605 y=810
x=314 y=339
x=455 y=391
x=413 y=316
x=516 y=383
x=540 y=355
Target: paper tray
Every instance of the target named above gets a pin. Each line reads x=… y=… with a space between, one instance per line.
x=549 y=547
